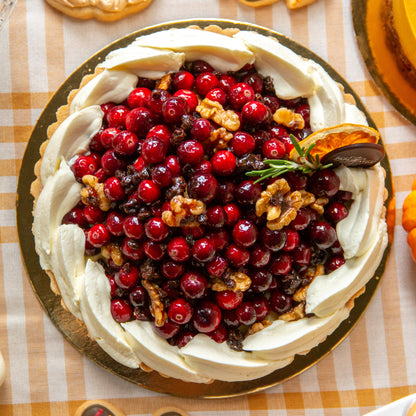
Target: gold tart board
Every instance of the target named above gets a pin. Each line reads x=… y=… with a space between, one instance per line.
x=75 y=332
x=379 y=59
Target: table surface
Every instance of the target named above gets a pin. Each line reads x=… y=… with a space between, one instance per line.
x=373 y=366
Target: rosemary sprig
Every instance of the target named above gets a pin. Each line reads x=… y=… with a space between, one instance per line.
x=277 y=167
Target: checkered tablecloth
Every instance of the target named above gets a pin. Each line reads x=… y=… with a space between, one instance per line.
x=376 y=364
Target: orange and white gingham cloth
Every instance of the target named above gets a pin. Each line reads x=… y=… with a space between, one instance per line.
x=46 y=376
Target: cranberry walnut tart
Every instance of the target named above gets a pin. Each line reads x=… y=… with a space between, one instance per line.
x=184 y=213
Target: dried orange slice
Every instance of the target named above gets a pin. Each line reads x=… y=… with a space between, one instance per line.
x=331 y=138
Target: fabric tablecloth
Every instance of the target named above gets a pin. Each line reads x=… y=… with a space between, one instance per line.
x=375 y=364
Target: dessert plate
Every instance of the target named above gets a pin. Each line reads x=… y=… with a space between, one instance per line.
x=76 y=334
x=379 y=59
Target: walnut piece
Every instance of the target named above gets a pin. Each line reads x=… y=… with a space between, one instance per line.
x=296 y=313
x=280 y=204
x=235 y=281
x=300 y=295
x=164 y=82
x=156 y=306
x=258 y=326
x=93 y=193
x=181 y=208
x=289 y=118
x=112 y=251
x=309 y=200
x=220 y=137
x=213 y=110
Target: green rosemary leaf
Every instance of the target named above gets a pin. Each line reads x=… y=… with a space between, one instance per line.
x=296 y=145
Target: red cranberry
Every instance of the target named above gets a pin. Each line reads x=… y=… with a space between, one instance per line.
x=226 y=81
x=172 y=162
x=110 y=163
x=259 y=256
x=168 y=330
x=242 y=143
x=228 y=299
x=105 y=108
x=336 y=249
x=220 y=239
x=197 y=231
x=83 y=165
x=229 y=318
x=302 y=254
x=75 y=216
x=245 y=233
x=203 y=250
x=207 y=317
x=116 y=117
x=247 y=192
x=153 y=250
x=98 y=235
x=260 y=137
x=199 y=66
x=334 y=263
x=201 y=129
x=280 y=302
x=148 y=191
x=113 y=189
x=153 y=150
x=156 y=100
x=203 y=167
x=205 y=82
x=255 y=81
x=324 y=183
x=219 y=335
x=180 y=311
x=344 y=196
x=335 y=212
x=172 y=270
x=274 y=240
x=121 y=310
x=139 y=164
x=162 y=176
x=173 y=109
x=272 y=102
x=156 y=229
x=322 y=234
x=225 y=193
x=190 y=152
x=246 y=314
x=183 y=80
x=203 y=186
x=133 y=228
x=237 y=256
x=302 y=219
x=107 y=136
x=281 y=264
x=239 y=94
x=190 y=98
x=218 y=95
x=125 y=143
x=161 y=131
x=261 y=306
x=232 y=214
x=304 y=111
x=217 y=267
x=183 y=338
x=178 y=249
x=215 y=216
x=254 y=113
x=114 y=223
x=261 y=281
x=132 y=249
x=139 y=97
x=194 y=285
x=292 y=240
x=223 y=163
x=138 y=296
x=93 y=214
x=273 y=149
x=127 y=276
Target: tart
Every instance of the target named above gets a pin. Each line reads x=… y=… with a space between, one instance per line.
x=174 y=221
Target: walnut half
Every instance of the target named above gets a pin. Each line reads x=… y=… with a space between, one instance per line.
x=181 y=208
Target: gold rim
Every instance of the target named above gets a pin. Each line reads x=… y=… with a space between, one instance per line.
x=72 y=329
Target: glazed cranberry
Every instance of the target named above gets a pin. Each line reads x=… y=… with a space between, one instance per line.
x=116 y=117
x=197 y=231
x=219 y=335
x=228 y=299
x=161 y=131
x=203 y=186
x=180 y=311
x=232 y=214
x=274 y=240
x=75 y=216
x=322 y=234
x=302 y=219
x=162 y=176
x=280 y=302
x=239 y=94
x=113 y=189
x=281 y=264
x=168 y=330
x=132 y=249
x=110 y=162
x=201 y=129
x=304 y=111
x=223 y=163
x=218 y=95
x=139 y=97
x=125 y=143
x=90 y=250
x=156 y=229
x=261 y=281
x=199 y=66
x=259 y=256
x=183 y=80
x=139 y=164
x=138 y=296
x=153 y=250
x=127 y=276
x=113 y=286
x=334 y=263
x=302 y=254
x=153 y=150
x=215 y=216
x=93 y=214
x=190 y=98
x=220 y=239
x=205 y=82
x=237 y=256
x=344 y=196
x=207 y=317
x=273 y=149
x=174 y=108
x=261 y=306
x=217 y=267
x=98 y=235
x=121 y=310
x=105 y=108
x=114 y=223
x=133 y=228
x=83 y=165
x=293 y=103
x=260 y=137
x=225 y=193
x=336 y=249
x=335 y=212
x=148 y=191
x=324 y=183
x=245 y=233
x=194 y=285
x=296 y=180
x=255 y=81
x=272 y=102
x=246 y=314
x=226 y=81
x=292 y=240
x=254 y=113
x=203 y=167
x=229 y=318
x=156 y=100
x=172 y=162
x=242 y=143
x=107 y=136
x=190 y=152
x=203 y=250
x=183 y=338
x=247 y=192
x=172 y=270
x=178 y=249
